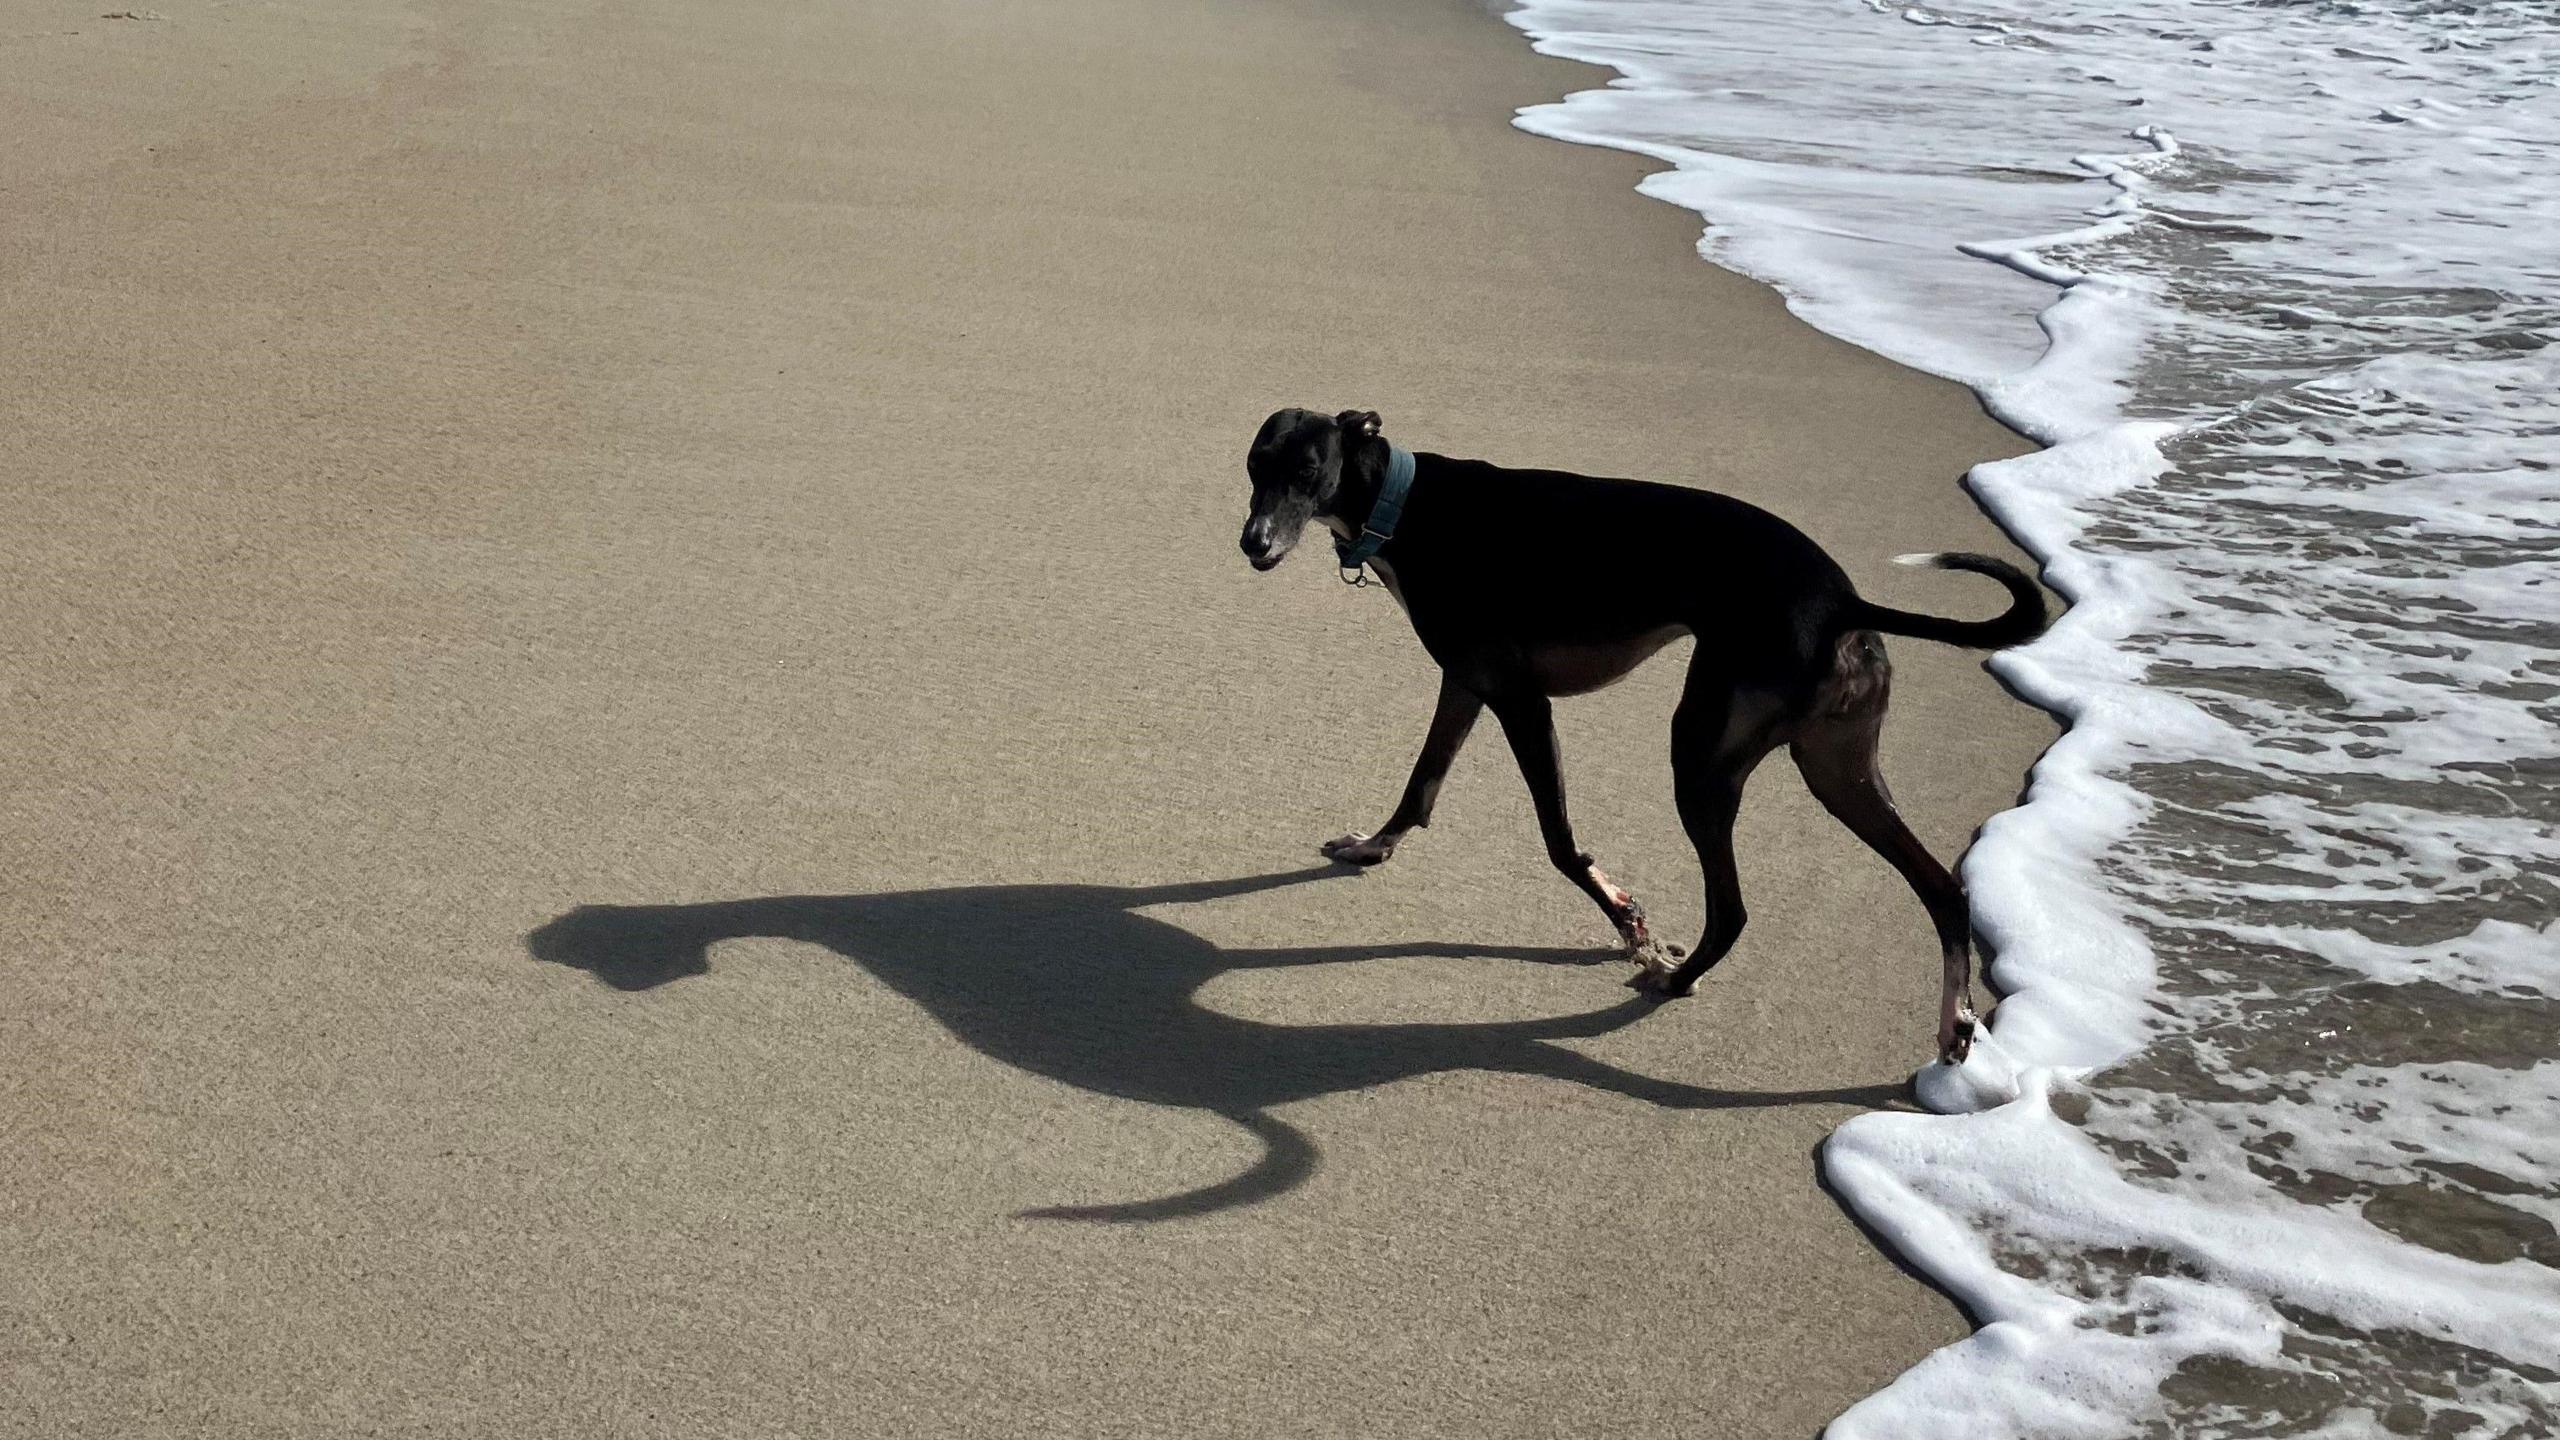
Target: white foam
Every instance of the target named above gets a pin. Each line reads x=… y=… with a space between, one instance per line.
x=2275 y=326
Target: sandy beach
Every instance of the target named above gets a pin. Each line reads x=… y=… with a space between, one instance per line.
x=774 y=470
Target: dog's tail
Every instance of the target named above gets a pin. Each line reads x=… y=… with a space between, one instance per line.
x=1288 y=1158
x=2023 y=620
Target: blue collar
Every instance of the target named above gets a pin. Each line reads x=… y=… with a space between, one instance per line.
x=1381 y=524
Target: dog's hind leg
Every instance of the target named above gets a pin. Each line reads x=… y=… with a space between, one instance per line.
x=1836 y=751
x=1528 y=722
x=1450 y=723
x=1718 y=736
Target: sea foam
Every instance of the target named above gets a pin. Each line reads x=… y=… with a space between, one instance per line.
x=2260 y=1138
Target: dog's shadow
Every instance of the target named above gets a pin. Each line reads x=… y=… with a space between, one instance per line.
x=1072 y=983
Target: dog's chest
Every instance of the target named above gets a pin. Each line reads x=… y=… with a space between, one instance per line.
x=1395 y=587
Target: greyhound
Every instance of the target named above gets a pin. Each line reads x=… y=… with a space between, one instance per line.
x=1526 y=585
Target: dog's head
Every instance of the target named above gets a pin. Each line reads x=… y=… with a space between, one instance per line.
x=1297 y=464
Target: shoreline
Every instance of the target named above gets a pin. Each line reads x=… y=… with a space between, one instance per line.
x=529 y=463
x=2262 y=514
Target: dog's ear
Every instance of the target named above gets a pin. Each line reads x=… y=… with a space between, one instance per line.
x=1358 y=424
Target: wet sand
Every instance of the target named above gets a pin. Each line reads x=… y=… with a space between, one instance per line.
x=772 y=472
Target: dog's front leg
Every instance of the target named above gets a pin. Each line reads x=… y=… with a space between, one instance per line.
x=1450 y=723
x=1530 y=725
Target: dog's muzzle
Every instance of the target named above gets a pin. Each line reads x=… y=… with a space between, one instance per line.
x=1257 y=545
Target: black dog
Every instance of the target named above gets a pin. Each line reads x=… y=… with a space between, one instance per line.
x=1529 y=584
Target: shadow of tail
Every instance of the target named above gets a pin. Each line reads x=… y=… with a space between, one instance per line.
x=1288 y=1158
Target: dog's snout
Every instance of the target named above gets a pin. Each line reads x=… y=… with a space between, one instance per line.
x=1256 y=540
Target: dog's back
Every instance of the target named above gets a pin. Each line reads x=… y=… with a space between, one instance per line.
x=1552 y=556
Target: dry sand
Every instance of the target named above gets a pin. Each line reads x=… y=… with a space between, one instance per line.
x=466 y=461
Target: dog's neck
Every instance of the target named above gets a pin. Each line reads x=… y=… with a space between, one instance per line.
x=1363 y=476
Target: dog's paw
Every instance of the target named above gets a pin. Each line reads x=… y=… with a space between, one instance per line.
x=1358 y=850
x=1658 y=970
x=1661 y=985
x=1957 y=1043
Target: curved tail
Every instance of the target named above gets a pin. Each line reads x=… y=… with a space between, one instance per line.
x=2023 y=620
x=1288 y=1158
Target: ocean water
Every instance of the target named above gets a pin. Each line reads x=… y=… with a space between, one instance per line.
x=2264 y=1138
